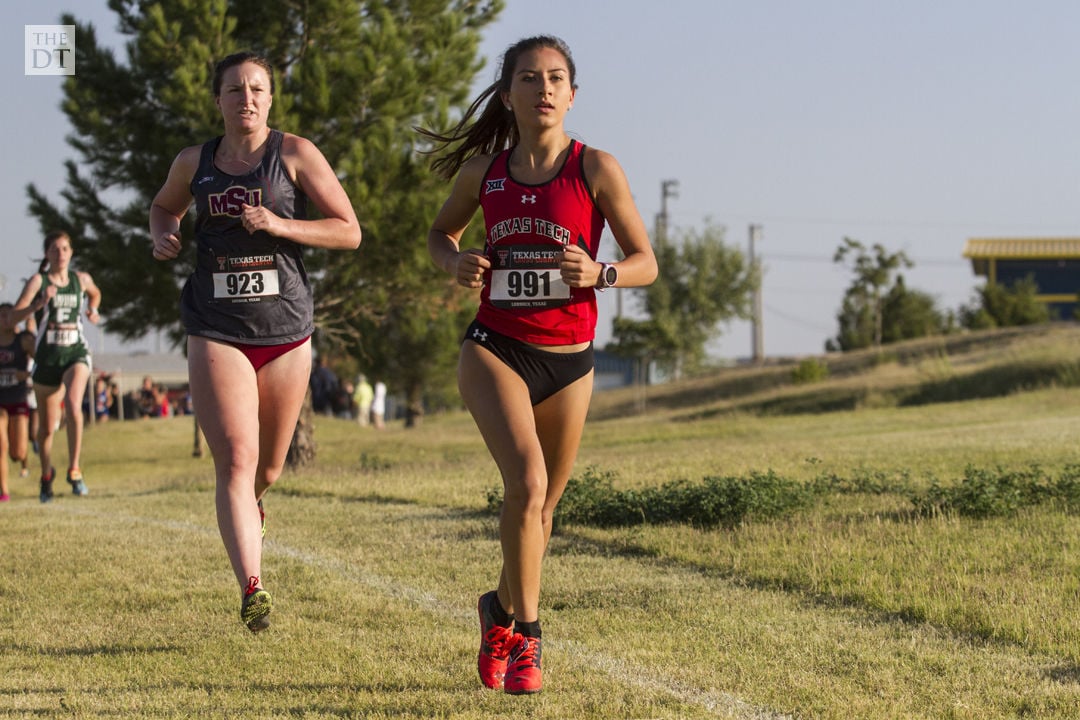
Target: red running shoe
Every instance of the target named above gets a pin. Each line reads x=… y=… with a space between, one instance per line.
x=523 y=667
x=494 y=645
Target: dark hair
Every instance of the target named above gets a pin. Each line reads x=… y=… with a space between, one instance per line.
x=494 y=129
x=51 y=237
x=239 y=59
x=6 y=306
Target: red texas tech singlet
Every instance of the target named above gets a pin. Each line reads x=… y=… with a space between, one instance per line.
x=524 y=296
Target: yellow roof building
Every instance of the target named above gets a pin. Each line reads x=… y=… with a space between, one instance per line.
x=1054 y=264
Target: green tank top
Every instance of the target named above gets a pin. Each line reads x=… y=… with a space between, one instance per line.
x=60 y=321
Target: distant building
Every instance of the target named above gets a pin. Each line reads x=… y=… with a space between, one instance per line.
x=612 y=371
x=1053 y=263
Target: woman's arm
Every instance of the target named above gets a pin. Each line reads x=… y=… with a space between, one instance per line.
x=93 y=296
x=338 y=229
x=171 y=204
x=30 y=301
x=444 y=238
x=613 y=197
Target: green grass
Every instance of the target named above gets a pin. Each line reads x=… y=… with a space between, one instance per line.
x=855 y=605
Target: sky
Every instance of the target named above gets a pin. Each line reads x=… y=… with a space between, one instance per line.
x=913 y=124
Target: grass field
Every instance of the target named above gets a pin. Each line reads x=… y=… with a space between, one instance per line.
x=122 y=604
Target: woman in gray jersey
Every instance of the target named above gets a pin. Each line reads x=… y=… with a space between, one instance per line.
x=247 y=308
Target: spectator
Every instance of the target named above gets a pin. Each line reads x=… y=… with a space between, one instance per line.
x=161 y=401
x=378 y=405
x=103 y=399
x=362 y=397
x=324 y=385
x=148 y=399
x=115 y=402
x=343 y=402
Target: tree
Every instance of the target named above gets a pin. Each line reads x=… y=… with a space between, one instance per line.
x=354 y=76
x=908 y=314
x=997 y=305
x=701 y=283
x=861 y=316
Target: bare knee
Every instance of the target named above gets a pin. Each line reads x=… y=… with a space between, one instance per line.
x=525 y=498
x=267 y=476
x=238 y=465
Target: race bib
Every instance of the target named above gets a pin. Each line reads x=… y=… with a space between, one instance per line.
x=527 y=276
x=62 y=336
x=8 y=379
x=246 y=278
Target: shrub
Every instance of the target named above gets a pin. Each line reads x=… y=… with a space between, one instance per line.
x=592 y=499
x=810 y=370
x=999 y=493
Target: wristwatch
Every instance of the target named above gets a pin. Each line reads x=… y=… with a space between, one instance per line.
x=609 y=275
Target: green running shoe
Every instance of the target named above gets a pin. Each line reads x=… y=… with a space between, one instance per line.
x=255 y=609
x=75 y=480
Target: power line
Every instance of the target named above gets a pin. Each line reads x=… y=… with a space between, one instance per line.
x=795 y=257
x=1023 y=227
x=800 y=321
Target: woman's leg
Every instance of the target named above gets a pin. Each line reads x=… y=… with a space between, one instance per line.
x=225 y=391
x=75 y=379
x=18 y=435
x=560 y=420
x=283 y=384
x=50 y=400
x=5 y=422
x=499 y=402
x=535 y=449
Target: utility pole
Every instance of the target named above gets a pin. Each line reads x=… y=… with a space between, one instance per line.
x=667 y=190
x=757 y=335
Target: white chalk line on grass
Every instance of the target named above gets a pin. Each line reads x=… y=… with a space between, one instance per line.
x=717 y=702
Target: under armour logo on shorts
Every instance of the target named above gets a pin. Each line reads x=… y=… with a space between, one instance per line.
x=479 y=335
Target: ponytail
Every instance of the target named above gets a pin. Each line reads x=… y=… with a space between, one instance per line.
x=495 y=128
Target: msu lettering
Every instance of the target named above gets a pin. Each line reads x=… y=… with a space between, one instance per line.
x=231 y=201
x=528 y=225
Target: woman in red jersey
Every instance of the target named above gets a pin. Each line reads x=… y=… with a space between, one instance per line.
x=526 y=364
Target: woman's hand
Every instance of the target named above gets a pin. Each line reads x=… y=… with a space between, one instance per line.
x=166 y=246
x=47 y=293
x=577 y=268
x=256 y=217
x=469 y=268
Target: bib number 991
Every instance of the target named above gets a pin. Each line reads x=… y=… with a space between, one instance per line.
x=528 y=288
x=528 y=283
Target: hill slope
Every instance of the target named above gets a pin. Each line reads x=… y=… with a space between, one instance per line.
x=983 y=364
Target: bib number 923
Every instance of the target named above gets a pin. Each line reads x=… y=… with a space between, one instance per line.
x=231 y=285
x=245 y=283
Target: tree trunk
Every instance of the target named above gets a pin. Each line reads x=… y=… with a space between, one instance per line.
x=302 y=448
x=414 y=410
